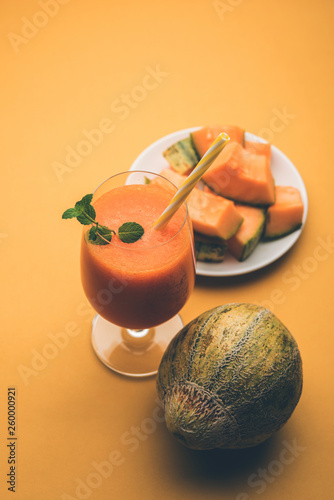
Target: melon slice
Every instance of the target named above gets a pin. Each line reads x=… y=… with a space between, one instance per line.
x=243 y=243
x=204 y=137
x=182 y=156
x=207 y=189
x=286 y=215
x=208 y=249
x=259 y=148
x=210 y=214
x=174 y=177
x=213 y=215
x=241 y=176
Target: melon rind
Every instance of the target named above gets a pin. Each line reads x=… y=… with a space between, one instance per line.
x=209 y=249
x=274 y=236
x=182 y=156
x=241 y=250
x=230 y=378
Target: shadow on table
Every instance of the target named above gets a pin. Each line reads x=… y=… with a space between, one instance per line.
x=228 y=470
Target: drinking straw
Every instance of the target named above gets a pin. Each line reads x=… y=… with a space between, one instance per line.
x=191 y=181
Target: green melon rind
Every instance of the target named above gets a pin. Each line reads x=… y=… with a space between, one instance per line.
x=276 y=236
x=234 y=230
x=253 y=241
x=182 y=156
x=209 y=251
x=237 y=364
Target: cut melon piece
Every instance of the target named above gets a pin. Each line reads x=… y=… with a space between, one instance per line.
x=213 y=215
x=286 y=215
x=243 y=243
x=207 y=189
x=209 y=249
x=204 y=137
x=182 y=156
x=174 y=177
x=210 y=214
x=259 y=148
x=241 y=176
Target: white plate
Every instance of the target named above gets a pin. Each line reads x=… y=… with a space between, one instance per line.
x=285 y=174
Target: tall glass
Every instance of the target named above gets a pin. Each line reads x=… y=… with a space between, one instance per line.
x=138 y=288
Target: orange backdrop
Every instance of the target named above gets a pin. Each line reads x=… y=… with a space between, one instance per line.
x=138 y=71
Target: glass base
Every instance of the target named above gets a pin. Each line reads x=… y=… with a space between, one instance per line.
x=134 y=353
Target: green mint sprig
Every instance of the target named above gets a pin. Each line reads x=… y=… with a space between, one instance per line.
x=84 y=212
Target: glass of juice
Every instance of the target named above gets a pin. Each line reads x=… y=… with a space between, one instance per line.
x=137 y=289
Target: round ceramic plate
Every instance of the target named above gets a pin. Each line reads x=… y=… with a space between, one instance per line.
x=285 y=174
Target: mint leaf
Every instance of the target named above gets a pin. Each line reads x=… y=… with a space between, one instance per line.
x=104 y=230
x=84 y=203
x=70 y=213
x=100 y=235
x=90 y=210
x=85 y=219
x=86 y=200
x=103 y=237
x=92 y=234
x=85 y=213
x=129 y=232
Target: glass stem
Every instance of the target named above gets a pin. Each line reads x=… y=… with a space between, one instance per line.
x=138 y=334
x=137 y=339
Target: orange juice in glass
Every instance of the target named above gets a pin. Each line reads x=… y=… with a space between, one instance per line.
x=137 y=288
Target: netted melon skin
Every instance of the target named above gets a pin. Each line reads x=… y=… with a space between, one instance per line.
x=230 y=378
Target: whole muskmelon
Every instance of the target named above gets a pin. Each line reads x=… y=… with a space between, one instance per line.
x=230 y=378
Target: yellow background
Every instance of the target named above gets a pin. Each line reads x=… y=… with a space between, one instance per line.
x=66 y=71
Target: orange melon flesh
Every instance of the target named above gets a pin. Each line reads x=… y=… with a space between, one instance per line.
x=213 y=215
x=172 y=176
x=245 y=240
x=207 y=189
x=241 y=176
x=204 y=137
x=259 y=148
x=286 y=215
x=210 y=214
